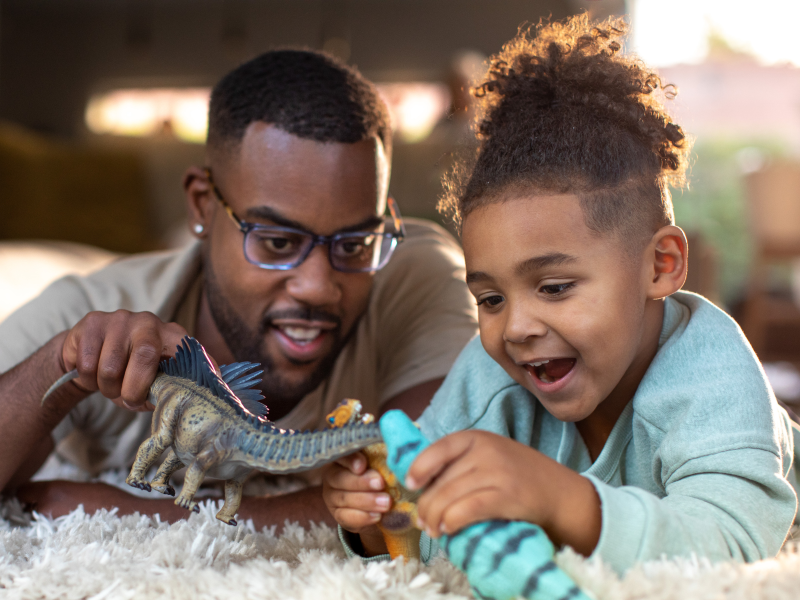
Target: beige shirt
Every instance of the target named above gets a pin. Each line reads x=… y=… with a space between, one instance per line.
x=420 y=315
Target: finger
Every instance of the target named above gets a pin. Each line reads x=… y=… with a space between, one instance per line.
x=363 y=501
x=436 y=458
x=355 y=463
x=151 y=340
x=340 y=478
x=172 y=335
x=436 y=501
x=355 y=520
x=81 y=351
x=142 y=366
x=113 y=359
x=467 y=510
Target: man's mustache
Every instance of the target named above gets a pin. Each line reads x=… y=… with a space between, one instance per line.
x=303 y=314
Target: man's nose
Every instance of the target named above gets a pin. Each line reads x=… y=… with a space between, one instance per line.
x=522 y=323
x=314 y=281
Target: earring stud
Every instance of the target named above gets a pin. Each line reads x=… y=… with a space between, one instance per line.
x=198 y=228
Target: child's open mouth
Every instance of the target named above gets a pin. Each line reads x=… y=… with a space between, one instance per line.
x=550 y=371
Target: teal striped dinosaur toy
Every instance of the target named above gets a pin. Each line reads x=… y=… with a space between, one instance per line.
x=502 y=559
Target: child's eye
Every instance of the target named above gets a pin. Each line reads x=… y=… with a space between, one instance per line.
x=491 y=301
x=555 y=289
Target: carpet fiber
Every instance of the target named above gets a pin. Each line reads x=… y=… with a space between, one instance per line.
x=103 y=556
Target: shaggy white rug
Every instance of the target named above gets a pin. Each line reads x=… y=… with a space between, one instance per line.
x=103 y=556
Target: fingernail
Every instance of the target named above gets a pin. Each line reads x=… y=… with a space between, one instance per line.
x=411 y=483
x=375 y=516
x=430 y=533
x=442 y=528
x=382 y=501
x=357 y=464
x=376 y=483
x=420 y=524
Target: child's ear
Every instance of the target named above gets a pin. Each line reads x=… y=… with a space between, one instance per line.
x=668 y=255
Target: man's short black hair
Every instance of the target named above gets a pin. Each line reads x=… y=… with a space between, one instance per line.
x=306 y=93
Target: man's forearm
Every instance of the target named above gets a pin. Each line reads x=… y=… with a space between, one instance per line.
x=57 y=498
x=304 y=506
x=25 y=425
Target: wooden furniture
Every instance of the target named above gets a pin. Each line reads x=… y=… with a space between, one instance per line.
x=771 y=319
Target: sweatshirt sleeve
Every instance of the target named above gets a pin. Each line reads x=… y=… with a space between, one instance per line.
x=734 y=504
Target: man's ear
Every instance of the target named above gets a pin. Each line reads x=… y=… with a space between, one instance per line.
x=199 y=201
x=668 y=255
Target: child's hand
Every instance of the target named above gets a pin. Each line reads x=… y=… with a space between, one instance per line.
x=353 y=493
x=474 y=476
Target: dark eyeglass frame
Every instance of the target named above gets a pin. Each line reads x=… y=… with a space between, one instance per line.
x=246 y=227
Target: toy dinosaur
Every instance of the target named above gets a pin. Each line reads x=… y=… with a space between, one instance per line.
x=502 y=559
x=398 y=524
x=217 y=426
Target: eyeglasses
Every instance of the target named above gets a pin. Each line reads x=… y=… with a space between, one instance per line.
x=284 y=248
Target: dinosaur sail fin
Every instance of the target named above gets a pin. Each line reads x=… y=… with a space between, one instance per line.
x=191 y=362
x=242 y=378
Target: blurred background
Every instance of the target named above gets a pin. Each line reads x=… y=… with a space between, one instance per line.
x=103 y=106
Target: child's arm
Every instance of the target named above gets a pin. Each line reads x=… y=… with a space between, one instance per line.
x=475 y=476
x=356 y=498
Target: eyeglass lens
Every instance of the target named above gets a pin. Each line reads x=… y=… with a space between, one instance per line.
x=281 y=248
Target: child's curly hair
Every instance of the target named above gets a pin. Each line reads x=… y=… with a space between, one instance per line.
x=562 y=111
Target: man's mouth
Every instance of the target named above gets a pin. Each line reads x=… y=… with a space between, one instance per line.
x=551 y=370
x=303 y=341
x=300 y=335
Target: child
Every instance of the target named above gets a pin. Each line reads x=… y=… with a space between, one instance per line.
x=628 y=419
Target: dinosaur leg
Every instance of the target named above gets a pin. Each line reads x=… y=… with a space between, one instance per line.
x=233 y=497
x=204 y=460
x=147 y=454
x=153 y=447
x=160 y=482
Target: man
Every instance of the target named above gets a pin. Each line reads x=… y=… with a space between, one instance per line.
x=291 y=269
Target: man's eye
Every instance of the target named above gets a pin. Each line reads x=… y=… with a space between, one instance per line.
x=279 y=245
x=491 y=301
x=354 y=246
x=555 y=289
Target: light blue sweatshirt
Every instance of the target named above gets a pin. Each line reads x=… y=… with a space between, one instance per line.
x=696 y=464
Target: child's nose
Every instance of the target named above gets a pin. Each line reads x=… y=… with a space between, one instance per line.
x=522 y=324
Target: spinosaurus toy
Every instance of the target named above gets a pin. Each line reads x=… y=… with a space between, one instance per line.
x=216 y=426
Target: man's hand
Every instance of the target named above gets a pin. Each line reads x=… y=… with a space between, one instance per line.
x=118 y=354
x=354 y=496
x=474 y=476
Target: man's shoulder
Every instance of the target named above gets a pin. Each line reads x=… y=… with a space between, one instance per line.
x=143 y=282
x=139 y=282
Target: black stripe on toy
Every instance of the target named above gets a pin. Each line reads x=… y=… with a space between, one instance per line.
x=405 y=449
x=469 y=551
x=533 y=580
x=511 y=547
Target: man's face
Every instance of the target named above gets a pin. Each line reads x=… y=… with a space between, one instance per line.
x=293 y=322
x=561 y=308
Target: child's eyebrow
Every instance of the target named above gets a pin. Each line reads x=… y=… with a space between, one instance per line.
x=537 y=263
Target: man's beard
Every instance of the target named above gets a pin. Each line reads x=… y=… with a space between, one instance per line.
x=247 y=344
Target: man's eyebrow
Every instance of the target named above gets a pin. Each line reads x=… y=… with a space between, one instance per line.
x=553 y=259
x=268 y=214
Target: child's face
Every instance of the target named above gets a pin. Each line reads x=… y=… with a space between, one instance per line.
x=551 y=289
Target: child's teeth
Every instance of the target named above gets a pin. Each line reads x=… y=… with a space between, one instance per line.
x=539 y=364
x=301 y=334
